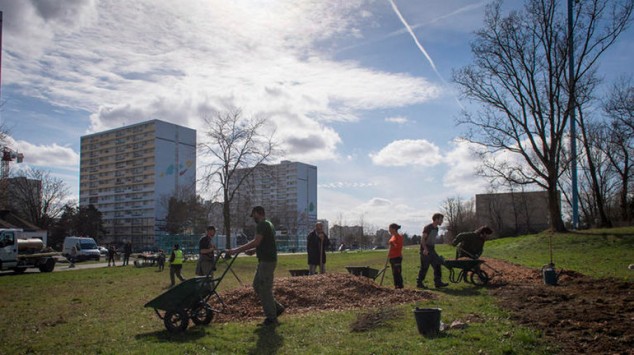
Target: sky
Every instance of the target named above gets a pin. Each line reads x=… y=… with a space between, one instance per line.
x=359 y=88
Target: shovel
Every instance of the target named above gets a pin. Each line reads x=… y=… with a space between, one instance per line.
x=383 y=271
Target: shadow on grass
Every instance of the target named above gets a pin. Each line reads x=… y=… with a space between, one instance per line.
x=269 y=341
x=193 y=333
x=611 y=232
x=466 y=291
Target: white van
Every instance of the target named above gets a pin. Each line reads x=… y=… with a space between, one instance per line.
x=86 y=248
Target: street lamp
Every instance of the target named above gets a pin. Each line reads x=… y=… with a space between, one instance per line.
x=572 y=107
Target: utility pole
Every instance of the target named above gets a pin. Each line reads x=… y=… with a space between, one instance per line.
x=572 y=107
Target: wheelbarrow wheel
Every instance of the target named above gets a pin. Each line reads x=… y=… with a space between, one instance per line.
x=202 y=314
x=176 y=321
x=479 y=278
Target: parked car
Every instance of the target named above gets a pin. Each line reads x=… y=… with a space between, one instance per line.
x=86 y=248
x=102 y=250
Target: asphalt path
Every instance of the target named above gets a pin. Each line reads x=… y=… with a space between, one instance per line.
x=63 y=265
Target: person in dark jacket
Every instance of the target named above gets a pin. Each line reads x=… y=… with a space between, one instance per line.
x=206 y=250
x=316 y=245
x=471 y=244
x=127 y=250
x=112 y=252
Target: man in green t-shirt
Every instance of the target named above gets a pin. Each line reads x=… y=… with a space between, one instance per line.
x=266 y=251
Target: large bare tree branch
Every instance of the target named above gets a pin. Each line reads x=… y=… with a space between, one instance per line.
x=519 y=78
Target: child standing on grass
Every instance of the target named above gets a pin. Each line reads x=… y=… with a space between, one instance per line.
x=395 y=254
x=161 y=260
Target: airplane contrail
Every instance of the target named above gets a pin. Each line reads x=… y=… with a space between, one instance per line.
x=420 y=46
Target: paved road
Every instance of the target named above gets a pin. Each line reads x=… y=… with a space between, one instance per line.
x=62 y=265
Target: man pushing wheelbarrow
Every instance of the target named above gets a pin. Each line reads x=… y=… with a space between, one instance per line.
x=469 y=245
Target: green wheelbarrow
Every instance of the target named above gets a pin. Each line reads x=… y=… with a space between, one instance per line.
x=467 y=270
x=189 y=300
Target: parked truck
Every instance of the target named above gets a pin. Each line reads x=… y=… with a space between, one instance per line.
x=20 y=250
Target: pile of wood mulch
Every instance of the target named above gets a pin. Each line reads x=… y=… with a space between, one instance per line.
x=308 y=294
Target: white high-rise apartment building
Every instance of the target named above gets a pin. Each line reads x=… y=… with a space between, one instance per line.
x=288 y=193
x=129 y=173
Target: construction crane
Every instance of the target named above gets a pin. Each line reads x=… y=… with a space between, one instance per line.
x=9 y=155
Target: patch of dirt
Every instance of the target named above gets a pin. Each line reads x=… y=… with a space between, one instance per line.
x=307 y=294
x=375 y=318
x=579 y=315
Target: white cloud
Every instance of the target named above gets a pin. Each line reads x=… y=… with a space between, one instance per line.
x=53 y=155
x=375 y=213
x=347 y=184
x=408 y=152
x=399 y=120
x=129 y=63
x=461 y=176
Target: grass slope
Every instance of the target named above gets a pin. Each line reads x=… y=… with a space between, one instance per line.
x=101 y=310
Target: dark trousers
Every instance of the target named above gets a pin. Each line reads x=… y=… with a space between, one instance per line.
x=432 y=259
x=397 y=271
x=176 y=270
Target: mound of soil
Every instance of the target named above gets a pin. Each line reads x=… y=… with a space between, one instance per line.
x=317 y=293
x=579 y=315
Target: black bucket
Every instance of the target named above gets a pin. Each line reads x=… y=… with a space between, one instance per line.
x=428 y=321
x=550 y=275
x=300 y=272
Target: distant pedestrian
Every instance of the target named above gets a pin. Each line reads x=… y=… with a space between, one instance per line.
x=127 y=250
x=428 y=255
x=206 y=251
x=176 y=264
x=161 y=260
x=112 y=252
x=395 y=254
x=317 y=243
x=73 y=256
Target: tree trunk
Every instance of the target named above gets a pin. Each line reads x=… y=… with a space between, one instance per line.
x=554 y=209
x=624 y=192
x=599 y=198
x=227 y=219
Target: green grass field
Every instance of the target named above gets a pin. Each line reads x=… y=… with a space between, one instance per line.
x=101 y=310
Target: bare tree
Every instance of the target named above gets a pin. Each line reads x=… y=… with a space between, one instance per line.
x=460 y=215
x=236 y=145
x=620 y=149
x=186 y=212
x=38 y=196
x=520 y=79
